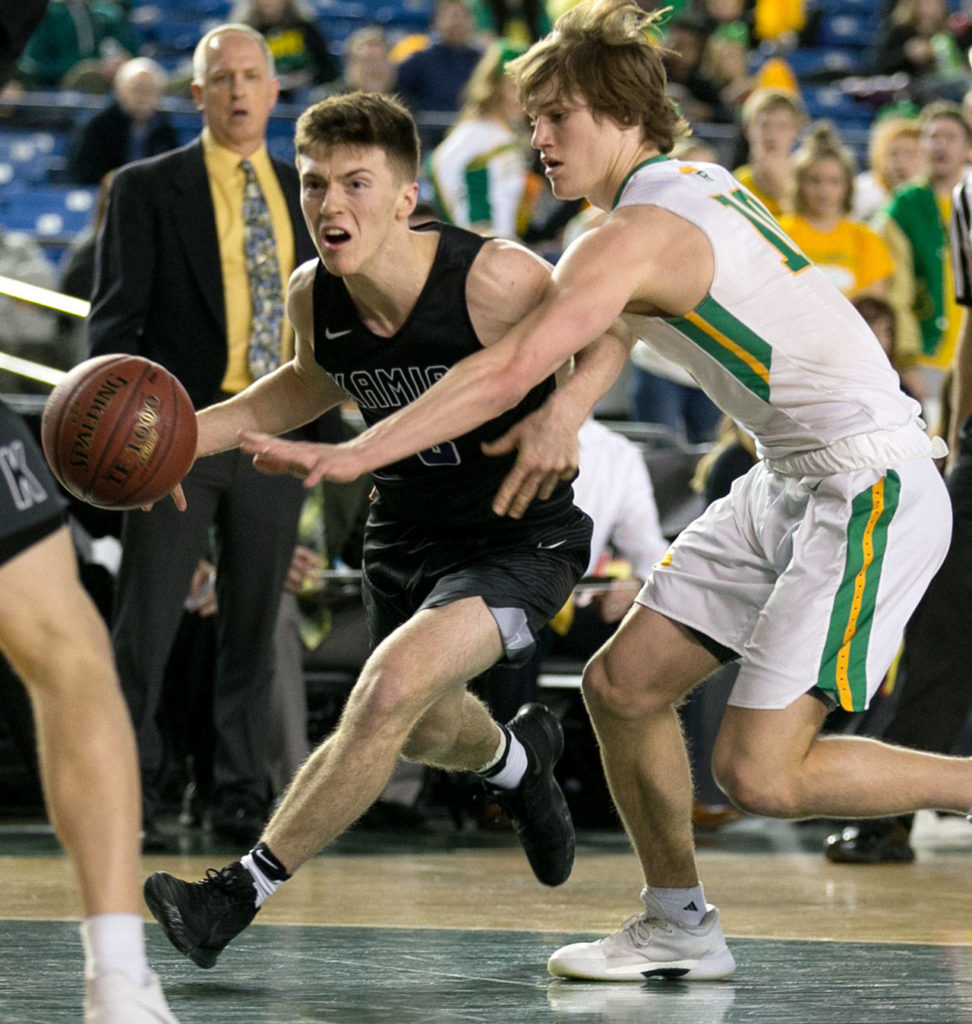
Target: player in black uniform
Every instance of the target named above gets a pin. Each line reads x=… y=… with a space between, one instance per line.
x=451 y=586
x=54 y=639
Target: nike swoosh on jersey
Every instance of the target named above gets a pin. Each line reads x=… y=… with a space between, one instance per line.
x=549 y=547
x=331 y=335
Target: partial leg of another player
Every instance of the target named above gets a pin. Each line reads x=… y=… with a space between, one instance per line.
x=55 y=640
x=774 y=763
x=632 y=688
x=409 y=698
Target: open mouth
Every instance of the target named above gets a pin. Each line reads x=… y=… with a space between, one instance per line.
x=335 y=237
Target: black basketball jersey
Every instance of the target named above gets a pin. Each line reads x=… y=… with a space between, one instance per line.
x=454 y=483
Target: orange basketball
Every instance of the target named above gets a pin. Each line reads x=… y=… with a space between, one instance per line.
x=119 y=431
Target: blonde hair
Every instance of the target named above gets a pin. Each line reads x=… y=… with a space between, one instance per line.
x=606 y=53
x=766 y=100
x=886 y=132
x=483 y=92
x=823 y=143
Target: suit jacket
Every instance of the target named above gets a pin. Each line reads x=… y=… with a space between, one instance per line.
x=158 y=289
x=102 y=144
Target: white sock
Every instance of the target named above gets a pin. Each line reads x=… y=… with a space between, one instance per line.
x=508 y=765
x=685 y=906
x=264 y=886
x=115 y=942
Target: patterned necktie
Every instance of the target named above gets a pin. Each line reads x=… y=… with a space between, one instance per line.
x=263 y=275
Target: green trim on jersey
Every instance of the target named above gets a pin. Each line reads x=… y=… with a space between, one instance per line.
x=633 y=171
x=477 y=193
x=477 y=184
x=843 y=666
x=737 y=348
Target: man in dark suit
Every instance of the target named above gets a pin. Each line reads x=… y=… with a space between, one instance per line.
x=192 y=259
x=131 y=127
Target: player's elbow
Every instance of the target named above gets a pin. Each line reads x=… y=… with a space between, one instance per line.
x=502 y=390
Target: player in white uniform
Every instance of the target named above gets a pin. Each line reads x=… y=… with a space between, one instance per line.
x=807 y=571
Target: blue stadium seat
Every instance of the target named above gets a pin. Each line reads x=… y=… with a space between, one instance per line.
x=813 y=61
x=851 y=29
x=27 y=157
x=53 y=214
x=832 y=103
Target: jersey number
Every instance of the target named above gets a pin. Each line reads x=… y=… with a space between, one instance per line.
x=761 y=219
x=445 y=454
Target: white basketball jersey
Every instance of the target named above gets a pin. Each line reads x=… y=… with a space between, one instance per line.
x=774 y=343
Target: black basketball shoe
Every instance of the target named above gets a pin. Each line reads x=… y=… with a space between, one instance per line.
x=537 y=806
x=201 y=917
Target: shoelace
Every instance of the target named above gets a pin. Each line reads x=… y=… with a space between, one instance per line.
x=640 y=926
x=228 y=882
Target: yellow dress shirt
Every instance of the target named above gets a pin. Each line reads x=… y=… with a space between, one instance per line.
x=226 y=180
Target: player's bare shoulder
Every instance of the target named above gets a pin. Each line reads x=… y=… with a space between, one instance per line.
x=505 y=282
x=300 y=297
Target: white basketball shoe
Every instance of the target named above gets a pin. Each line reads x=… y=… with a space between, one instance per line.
x=113 y=998
x=650 y=946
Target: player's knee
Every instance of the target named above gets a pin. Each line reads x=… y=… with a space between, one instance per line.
x=610 y=693
x=384 y=697
x=63 y=661
x=753 y=789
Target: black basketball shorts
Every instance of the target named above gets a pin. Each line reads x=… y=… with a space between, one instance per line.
x=524 y=573
x=31 y=506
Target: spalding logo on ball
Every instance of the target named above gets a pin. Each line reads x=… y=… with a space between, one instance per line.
x=119 y=431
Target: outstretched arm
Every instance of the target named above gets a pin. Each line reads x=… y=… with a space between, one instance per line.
x=626 y=263
x=546 y=441
x=294 y=394
x=579 y=303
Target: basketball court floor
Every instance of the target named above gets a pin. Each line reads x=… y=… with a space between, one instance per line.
x=449 y=927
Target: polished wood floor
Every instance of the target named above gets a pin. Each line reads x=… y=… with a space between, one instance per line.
x=449 y=926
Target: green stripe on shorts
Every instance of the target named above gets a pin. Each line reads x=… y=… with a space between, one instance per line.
x=843 y=667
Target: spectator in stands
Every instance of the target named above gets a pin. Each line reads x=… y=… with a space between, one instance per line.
x=880 y=317
x=521 y=21
x=26 y=329
x=131 y=127
x=718 y=14
x=920 y=41
x=725 y=62
x=771 y=121
x=80 y=45
x=895 y=157
x=479 y=170
x=300 y=50
x=431 y=80
x=818 y=202
x=914 y=222
x=688 y=85
x=367 y=63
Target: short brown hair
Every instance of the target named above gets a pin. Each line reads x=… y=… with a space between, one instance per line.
x=606 y=52
x=362 y=119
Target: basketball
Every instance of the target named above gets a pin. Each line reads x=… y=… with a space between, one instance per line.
x=119 y=431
